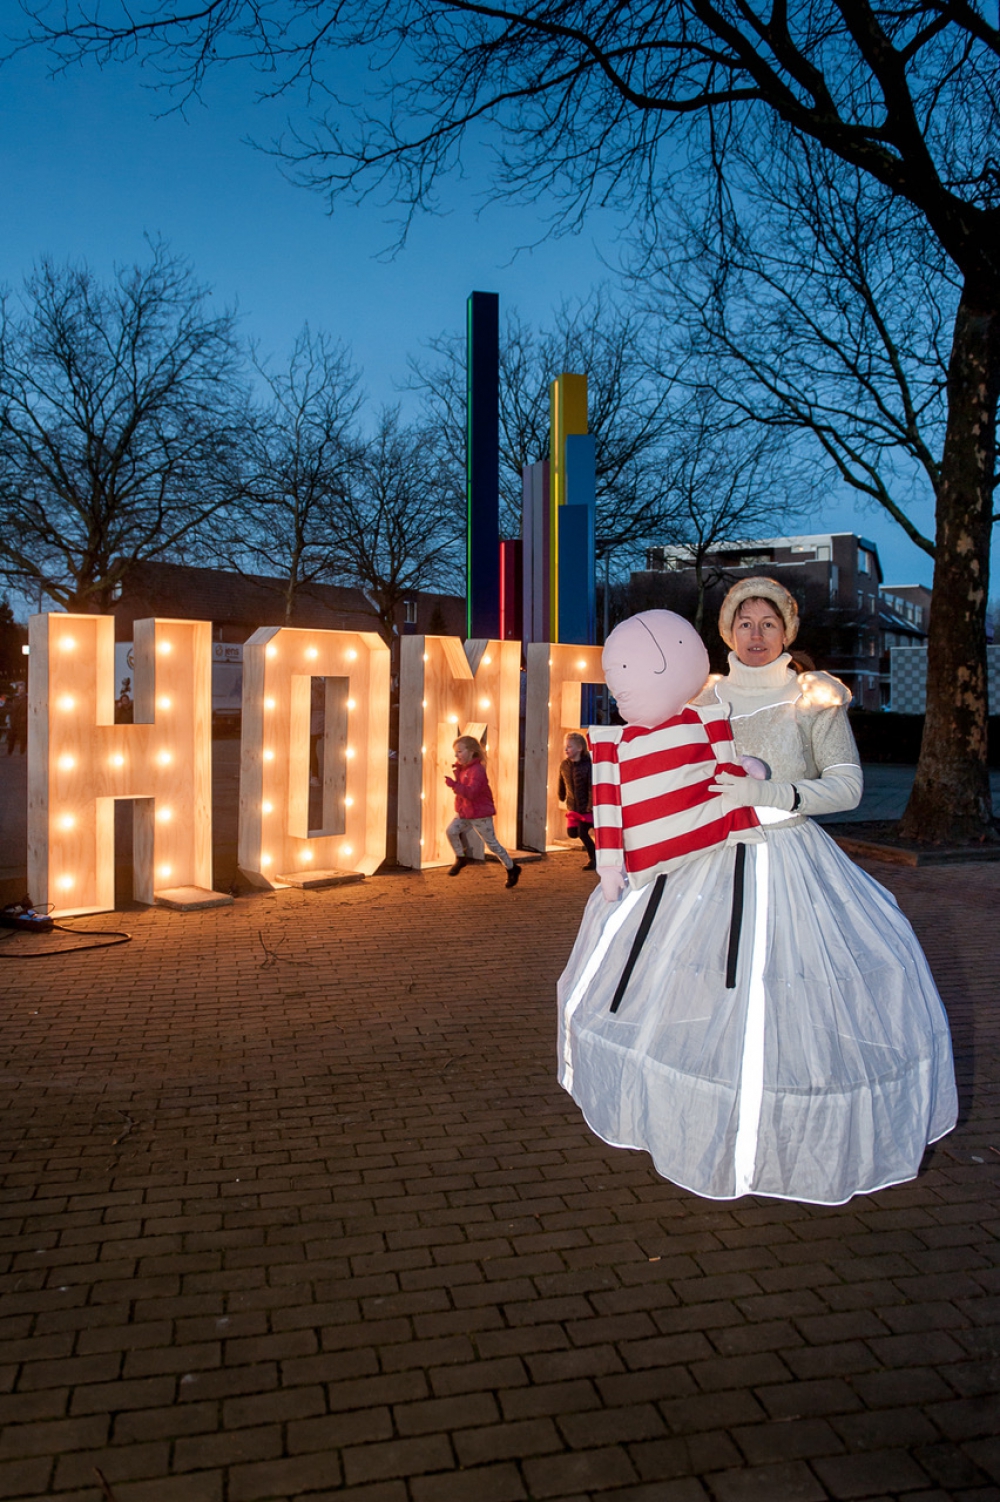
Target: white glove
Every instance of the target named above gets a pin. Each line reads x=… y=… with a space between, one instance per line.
x=748 y=791
x=838 y=789
x=613 y=882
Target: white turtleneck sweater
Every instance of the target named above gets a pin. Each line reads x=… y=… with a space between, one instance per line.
x=796 y=723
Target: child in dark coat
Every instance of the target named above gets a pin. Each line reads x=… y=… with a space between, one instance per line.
x=474 y=809
x=576 y=789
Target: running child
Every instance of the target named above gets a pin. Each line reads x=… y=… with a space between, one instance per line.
x=474 y=809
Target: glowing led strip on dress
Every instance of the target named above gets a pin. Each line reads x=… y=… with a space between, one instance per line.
x=752 y=1071
x=590 y=969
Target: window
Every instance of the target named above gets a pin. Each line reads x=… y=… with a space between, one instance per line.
x=410 y=612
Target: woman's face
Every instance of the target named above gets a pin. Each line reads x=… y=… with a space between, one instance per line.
x=759 y=633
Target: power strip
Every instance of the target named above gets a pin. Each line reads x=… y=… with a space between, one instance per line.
x=25 y=918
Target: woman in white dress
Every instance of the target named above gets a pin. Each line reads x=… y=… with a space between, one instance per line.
x=780 y=1033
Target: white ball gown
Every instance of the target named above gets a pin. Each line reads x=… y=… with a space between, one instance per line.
x=779 y=1032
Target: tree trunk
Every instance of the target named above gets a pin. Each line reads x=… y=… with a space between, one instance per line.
x=950 y=800
x=85 y=601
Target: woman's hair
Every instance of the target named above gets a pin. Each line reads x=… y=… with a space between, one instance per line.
x=766 y=592
x=758 y=600
x=472 y=746
x=574 y=735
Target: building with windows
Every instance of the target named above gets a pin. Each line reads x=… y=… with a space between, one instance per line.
x=237 y=604
x=904 y=620
x=836 y=578
x=906 y=614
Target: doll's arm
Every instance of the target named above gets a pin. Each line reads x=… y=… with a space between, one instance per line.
x=608 y=836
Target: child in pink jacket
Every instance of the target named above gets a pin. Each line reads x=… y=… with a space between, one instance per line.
x=474 y=809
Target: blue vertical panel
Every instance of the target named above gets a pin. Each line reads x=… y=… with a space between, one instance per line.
x=576 y=559
x=577 y=568
x=483 y=466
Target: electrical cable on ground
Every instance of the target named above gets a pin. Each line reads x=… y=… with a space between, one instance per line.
x=22 y=918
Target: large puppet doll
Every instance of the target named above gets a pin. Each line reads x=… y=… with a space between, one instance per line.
x=685 y=1026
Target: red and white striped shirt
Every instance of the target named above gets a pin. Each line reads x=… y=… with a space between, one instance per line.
x=652 y=805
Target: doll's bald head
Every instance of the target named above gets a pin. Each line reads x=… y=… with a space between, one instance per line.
x=653 y=664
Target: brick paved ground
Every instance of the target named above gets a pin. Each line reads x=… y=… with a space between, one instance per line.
x=294 y=1208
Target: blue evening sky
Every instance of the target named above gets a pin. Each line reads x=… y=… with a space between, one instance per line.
x=90 y=165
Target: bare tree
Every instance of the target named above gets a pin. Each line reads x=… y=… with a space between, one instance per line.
x=817 y=306
x=299 y=455
x=398 y=525
x=731 y=483
x=623 y=104
x=121 y=413
x=629 y=411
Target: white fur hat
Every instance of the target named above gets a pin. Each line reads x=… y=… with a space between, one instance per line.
x=759 y=589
